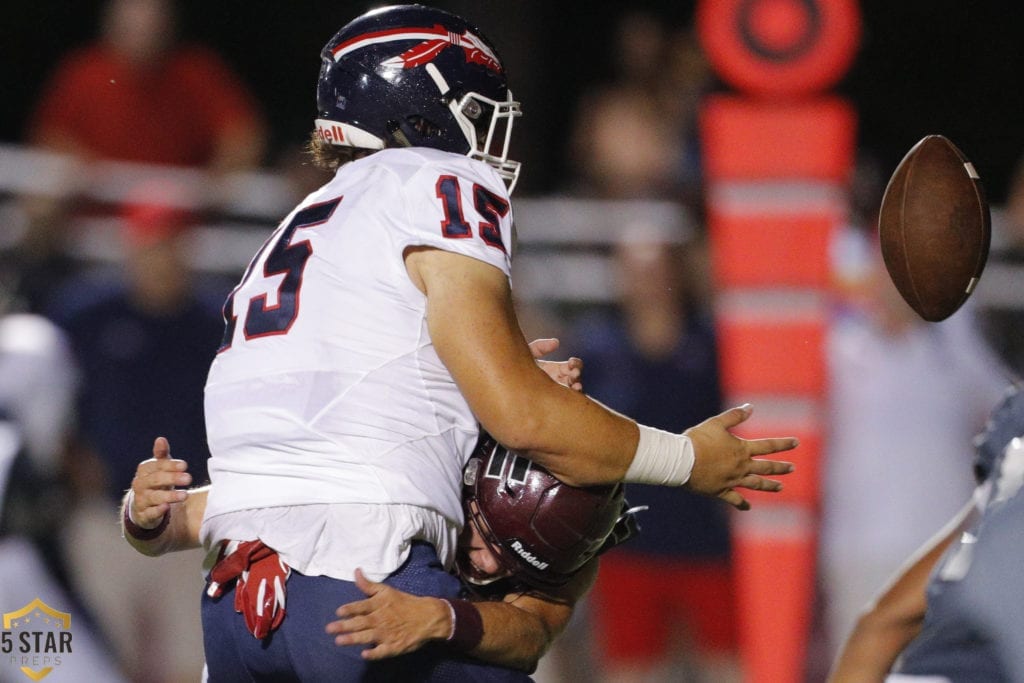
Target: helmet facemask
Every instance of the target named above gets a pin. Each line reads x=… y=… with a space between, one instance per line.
x=487 y=125
x=467 y=570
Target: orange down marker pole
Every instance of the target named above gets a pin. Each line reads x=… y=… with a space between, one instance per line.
x=778 y=154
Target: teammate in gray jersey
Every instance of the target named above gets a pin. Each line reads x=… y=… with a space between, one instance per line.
x=956 y=610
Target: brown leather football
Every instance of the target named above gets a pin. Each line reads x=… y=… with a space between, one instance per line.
x=935 y=228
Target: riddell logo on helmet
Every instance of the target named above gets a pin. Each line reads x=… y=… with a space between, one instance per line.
x=331 y=134
x=528 y=556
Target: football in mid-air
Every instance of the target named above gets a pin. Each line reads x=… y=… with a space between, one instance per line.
x=935 y=228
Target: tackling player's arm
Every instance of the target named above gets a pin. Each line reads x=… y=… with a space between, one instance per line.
x=895 y=618
x=519 y=637
x=516 y=631
x=470 y=313
x=153 y=501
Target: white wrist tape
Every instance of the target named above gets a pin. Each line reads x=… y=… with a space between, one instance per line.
x=661 y=458
x=128 y=500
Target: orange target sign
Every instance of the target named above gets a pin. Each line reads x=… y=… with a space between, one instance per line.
x=780 y=47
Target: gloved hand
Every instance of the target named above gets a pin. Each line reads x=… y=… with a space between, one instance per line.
x=260 y=577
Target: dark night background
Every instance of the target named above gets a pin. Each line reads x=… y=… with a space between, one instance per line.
x=936 y=66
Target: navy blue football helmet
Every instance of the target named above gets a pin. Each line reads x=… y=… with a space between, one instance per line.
x=410 y=75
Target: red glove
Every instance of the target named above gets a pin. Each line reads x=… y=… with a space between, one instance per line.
x=260 y=585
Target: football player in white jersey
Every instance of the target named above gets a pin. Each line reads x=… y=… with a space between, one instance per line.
x=526 y=555
x=367 y=340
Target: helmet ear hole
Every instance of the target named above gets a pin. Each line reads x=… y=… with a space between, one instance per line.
x=415 y=131
x=424 y=126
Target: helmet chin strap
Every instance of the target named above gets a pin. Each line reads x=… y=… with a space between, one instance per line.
x=398 y=136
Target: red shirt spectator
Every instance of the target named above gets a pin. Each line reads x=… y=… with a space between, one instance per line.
x=176 y=112
x=135 y=95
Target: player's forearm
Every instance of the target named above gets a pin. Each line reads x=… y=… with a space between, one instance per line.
x=518 y=631
x=475 y=332
x=577 y=439
x=872 y=652
x=513 y=637
x=883 y=631
x=872 y=648
x=896 y=617
x=392 y=623
x=508 y=635
x=181 y=531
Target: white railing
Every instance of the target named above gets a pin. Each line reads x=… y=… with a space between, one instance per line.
x=562 y=241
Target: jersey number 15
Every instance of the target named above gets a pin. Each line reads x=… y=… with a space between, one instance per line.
x=289 y=259
x=285 y=258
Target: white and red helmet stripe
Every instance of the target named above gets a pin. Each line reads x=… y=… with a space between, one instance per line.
x=466 y=40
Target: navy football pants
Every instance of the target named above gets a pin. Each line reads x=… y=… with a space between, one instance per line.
x=300 y=650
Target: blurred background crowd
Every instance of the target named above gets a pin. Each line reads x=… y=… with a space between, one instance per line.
x=148 y=146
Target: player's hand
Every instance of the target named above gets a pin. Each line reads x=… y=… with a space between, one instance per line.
x=724 y=462
x=390 y=621
x=566 y=372
x=153 y=488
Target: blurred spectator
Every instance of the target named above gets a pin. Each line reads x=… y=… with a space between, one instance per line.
x=629 y=148
x=136 y=94
x=143 y=347
x=635 y=136
x=905 y=396
x=1003 y=318
x=37 y=386
x=37 y=383
x=34 y=259
x=662 y=608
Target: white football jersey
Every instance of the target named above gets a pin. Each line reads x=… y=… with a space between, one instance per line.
x=327 y=388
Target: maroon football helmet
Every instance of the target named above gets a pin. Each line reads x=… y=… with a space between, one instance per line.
x=541 y=530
